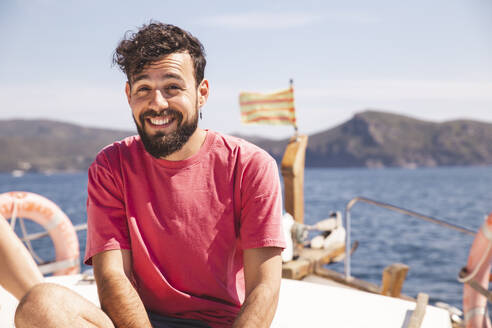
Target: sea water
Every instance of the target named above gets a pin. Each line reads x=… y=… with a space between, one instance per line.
x=459 y=195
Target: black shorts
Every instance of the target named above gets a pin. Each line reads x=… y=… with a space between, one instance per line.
x=160 y=321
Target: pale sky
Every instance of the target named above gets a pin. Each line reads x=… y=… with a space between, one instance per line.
x=427 y=59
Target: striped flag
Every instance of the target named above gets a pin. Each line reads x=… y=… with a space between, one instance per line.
x=268 y=108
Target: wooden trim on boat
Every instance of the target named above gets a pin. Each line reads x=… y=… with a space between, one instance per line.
x=293 y=173
x=419 y=312
x=393 y=278
x=307 y=262
x=312 y=262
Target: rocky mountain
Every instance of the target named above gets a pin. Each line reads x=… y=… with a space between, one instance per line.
x=369 y=139
x=43 y=145
x=380 y=139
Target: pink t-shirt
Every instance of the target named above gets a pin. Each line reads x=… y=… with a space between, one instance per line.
x=186 y=222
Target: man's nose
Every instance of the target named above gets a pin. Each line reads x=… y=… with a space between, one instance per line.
x=158 y=100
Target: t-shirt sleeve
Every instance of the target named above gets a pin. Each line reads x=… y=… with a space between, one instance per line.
x=261 y=204
x=107 y=227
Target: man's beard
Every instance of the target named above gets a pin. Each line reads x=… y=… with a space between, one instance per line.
x=161 y=145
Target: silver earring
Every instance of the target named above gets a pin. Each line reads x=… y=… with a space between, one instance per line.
x=201 y=114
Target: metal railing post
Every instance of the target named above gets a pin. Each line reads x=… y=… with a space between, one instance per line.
x=387 y=206
x=347 y=244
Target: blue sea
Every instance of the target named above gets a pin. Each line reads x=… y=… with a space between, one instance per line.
x=460 y=195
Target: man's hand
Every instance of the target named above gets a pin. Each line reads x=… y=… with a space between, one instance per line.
x=118 y=297
x=262 y=275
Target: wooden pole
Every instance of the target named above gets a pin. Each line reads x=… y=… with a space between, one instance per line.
x=393 y=279
x=293 y=173
x=418 y=314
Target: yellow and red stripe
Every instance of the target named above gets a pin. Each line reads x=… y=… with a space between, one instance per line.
x=268 y=108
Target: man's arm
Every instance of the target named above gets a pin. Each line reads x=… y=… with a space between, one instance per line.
x=262 y=275
x=18 y=271
x=118 y=297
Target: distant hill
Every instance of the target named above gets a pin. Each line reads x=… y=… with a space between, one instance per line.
x=380 y=139
x=369 y=139
x=43 y=145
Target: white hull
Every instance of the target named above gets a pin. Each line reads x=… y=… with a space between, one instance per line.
x=301 y=304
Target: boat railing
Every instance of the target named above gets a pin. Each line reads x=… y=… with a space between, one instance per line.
x=46 y=267
x=37 y=235
x=398 y=209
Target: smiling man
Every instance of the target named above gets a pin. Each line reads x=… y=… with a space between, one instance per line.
x=184 y=223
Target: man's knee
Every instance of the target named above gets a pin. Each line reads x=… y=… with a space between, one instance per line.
x=50 y=305
x=38 y=305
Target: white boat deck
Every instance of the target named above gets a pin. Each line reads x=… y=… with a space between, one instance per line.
x=301 y=304
x=307 y=304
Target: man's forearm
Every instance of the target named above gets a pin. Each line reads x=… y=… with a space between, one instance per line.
x=258 y=309
x=18 y=271
x=120 y=301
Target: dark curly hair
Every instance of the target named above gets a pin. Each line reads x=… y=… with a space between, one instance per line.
x=153 y=41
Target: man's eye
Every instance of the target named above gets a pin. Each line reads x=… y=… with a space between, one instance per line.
x=173 y=89
x=142 y=89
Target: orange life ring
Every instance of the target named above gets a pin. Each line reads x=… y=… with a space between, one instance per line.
x=478 y=270
x=46 y=213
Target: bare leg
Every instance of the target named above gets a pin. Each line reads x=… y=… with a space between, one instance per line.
x=52 y=306
x=18 y=271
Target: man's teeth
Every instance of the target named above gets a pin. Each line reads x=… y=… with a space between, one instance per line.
x=159 y=120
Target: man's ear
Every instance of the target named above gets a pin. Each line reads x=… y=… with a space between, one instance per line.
x=203 y=92
x=127 y=91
